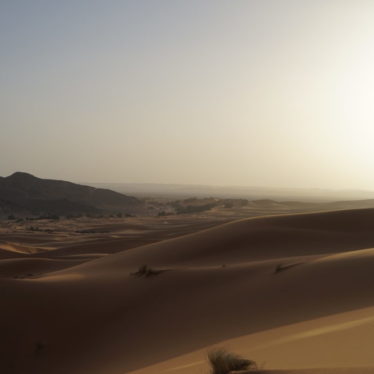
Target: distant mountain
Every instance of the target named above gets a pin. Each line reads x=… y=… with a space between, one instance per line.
x=23 y=194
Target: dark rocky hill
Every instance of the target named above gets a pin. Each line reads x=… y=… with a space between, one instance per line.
x=23 y=194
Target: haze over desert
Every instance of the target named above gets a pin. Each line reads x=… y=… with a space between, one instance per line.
x=186 y=187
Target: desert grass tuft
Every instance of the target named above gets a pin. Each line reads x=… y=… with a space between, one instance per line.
x=282 y=267
x=145 y=271
x=223 y=362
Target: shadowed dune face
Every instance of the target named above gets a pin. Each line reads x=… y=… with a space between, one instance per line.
x=118 y=322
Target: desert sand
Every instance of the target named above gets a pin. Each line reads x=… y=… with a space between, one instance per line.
x=292 y=292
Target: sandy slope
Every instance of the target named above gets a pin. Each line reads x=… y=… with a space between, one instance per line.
x=257 y=239
x=97 y=318
x=32 y=267
x=338 y=341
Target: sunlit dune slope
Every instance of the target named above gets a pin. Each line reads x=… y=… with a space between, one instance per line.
x=340 y=343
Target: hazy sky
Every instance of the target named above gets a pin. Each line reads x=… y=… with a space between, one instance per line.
x=261 y=92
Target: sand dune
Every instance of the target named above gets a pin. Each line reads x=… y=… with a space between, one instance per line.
x=98 y=318
x=329 y=342
x=32 y=267
x=5 y=253
x=19 y=248
x=257 y=239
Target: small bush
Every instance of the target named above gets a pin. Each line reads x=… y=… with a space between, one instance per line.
x=279 y=268
x=223 y=362
x=145 y=271
x=282 y=267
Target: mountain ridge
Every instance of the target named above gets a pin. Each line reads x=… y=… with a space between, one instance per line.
x=24 y=194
